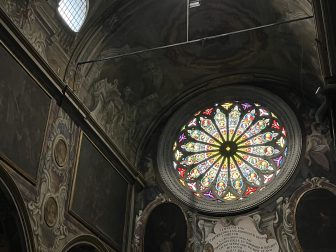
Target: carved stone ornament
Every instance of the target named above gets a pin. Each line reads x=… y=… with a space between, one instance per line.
x=242 y=233
x=141 y=221
x=318 y=147
x=60 y=151
x=284 y=224
x=47 y=210
x=86 y=239
x=50 y=211
x=24 y=16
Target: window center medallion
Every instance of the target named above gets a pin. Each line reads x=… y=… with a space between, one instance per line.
x=228 y=149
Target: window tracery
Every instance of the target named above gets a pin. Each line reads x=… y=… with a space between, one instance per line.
x=73 y=12
x=234 y=152
x=230 y=150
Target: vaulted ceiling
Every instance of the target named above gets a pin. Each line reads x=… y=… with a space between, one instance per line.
x=130 y=86
x=130 y=93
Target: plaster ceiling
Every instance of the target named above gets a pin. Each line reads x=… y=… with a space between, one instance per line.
x=129 y=95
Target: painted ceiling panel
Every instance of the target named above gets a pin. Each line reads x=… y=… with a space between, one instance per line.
x=129 y=93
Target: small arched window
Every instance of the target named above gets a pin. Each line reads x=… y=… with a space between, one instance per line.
x=73 y=12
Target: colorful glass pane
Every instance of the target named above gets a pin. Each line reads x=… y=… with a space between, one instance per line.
x=222 y=179
x=230 y=151
x=220 y=120
x=245 y=123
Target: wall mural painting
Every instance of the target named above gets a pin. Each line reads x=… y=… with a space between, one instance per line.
x=24 y=109
x=123 y=94
x=316 y=228
x=318 y=151
x=161 y=227
x=320 y=161
x=24 y=16
x=166 y=229
x=50 y=40
x=47 y=209
x=104 y=207
x=307 y=221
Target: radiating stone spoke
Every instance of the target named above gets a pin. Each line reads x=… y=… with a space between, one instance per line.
x=246 y=121
x=257 y=162
x=233 y=121
x=201 y=168
x=220 y=120
x=222 y=179
x=248 y=172
x=197 y=158
x=201 y=136
x=235 y=178
x=260 y=139
x=210 y=128
x=197 y=147
x=260 y=150
x=210 y=175
x=254 y=130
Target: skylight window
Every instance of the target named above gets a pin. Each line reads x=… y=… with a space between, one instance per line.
x=73 y=13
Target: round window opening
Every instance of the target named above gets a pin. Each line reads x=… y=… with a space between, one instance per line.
x=234 y=152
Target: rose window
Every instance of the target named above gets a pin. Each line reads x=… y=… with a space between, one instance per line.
x=230 y=150
x=231 y=155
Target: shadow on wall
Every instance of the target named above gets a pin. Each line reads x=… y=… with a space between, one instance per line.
x=83 y=248
x=166 y=229
x=12 y=238
x=316 y=221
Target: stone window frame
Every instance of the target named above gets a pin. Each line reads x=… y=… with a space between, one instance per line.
x=208 y=98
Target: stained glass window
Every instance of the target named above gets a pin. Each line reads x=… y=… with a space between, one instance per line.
x=229 y=151
x=73 y=12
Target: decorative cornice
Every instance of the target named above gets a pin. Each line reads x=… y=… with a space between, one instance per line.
x=284 y=224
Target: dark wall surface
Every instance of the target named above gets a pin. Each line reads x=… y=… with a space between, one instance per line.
x=316 y=220
x=166 y=229
x=100 y=193
x=11 y=233
x=24 y=108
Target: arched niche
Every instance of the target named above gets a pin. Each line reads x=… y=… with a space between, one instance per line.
x=162 y=227
x=313 y=208
x=15 y=231
x=85 y=243
x=315 y=220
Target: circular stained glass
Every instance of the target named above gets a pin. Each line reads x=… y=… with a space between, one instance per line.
x=230 y=150
x=233 y=154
